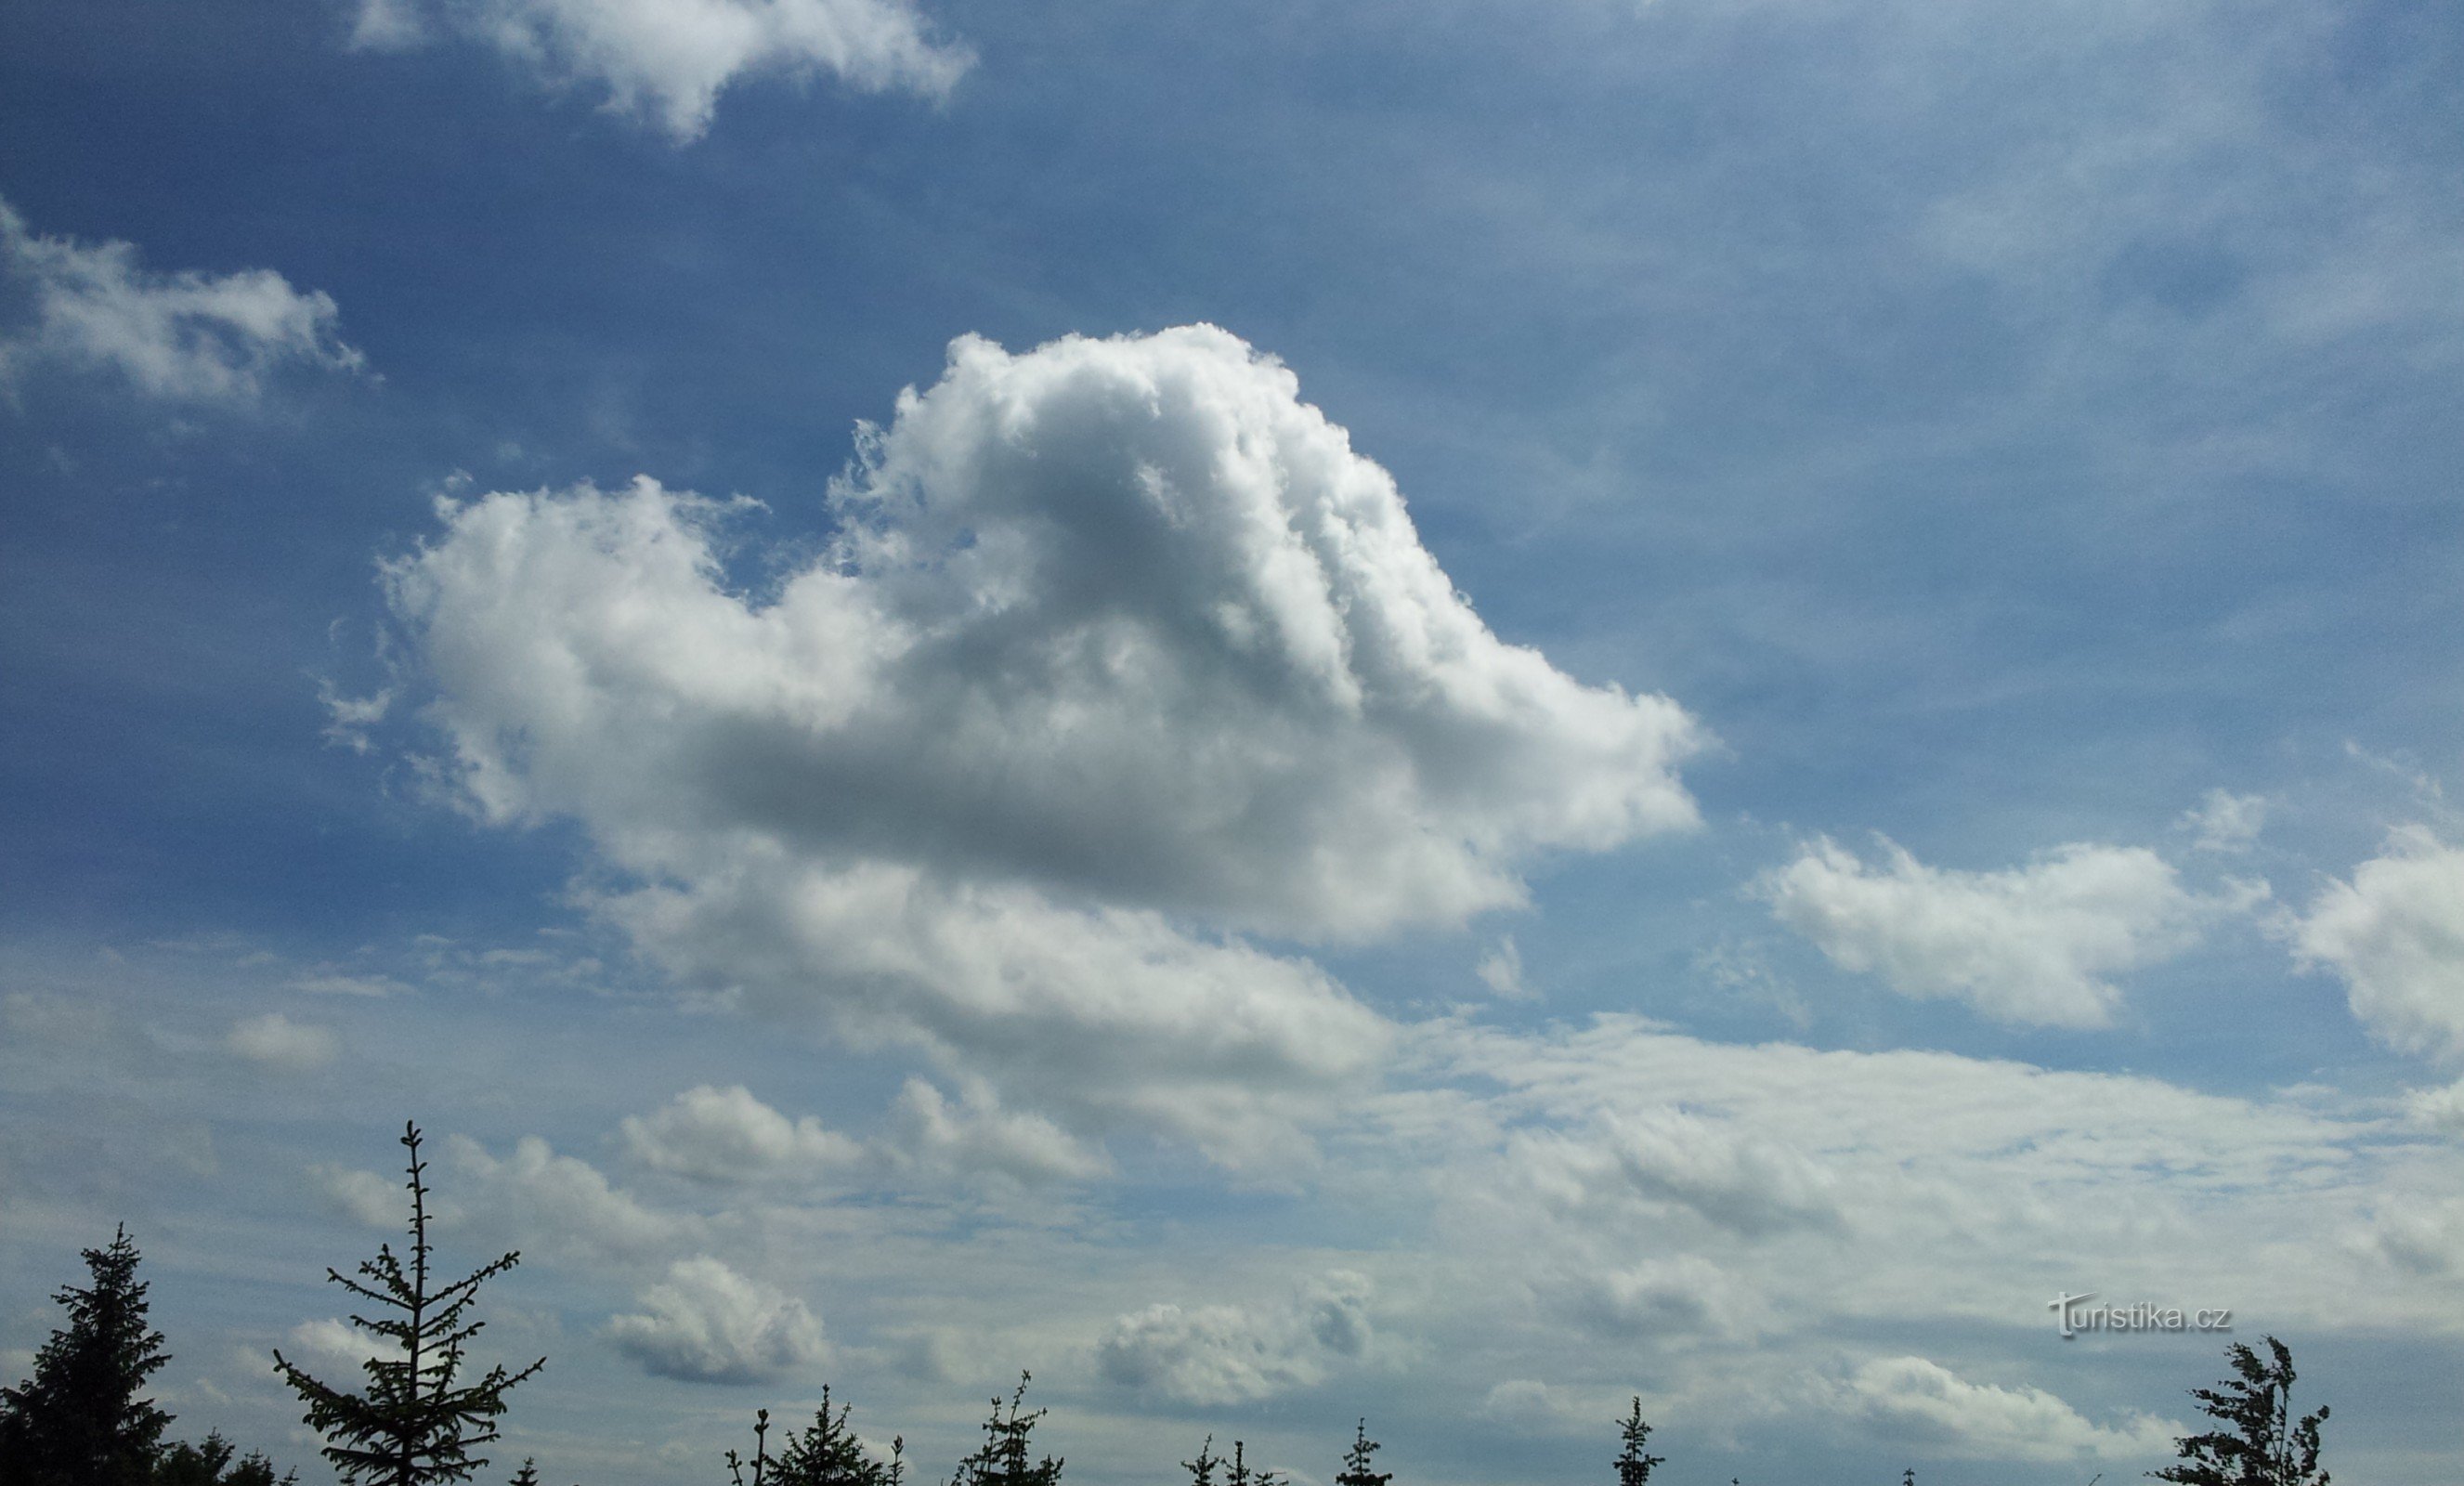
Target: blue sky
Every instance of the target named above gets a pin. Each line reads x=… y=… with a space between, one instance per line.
x=1783 y=679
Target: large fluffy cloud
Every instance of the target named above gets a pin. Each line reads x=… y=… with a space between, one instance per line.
x=184 y=335
x=2395 y=933
x=707 y=1324
x=1119 y=649
x=2032 y=943
x=727 y=1136
x=670 y=59
x=1237 y=1354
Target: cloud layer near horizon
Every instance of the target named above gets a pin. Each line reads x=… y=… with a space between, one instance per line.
x=1119 y=650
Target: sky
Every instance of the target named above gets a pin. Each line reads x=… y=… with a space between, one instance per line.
x=1441 y=713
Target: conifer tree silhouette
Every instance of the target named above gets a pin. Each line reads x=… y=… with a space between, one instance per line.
x=2263 y=1446
x=1633 y=1465
x=1202 y=1471
x=1240 y=1475
x=415 y=1425
x=78 y=1421
x=760 y=1461
x=1001 y=1460
x=211 y=1464
x=1355 y=1461
x=827 y=1453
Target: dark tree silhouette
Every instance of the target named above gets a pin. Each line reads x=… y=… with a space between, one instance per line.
x=1355 y=1461
x=1202 y=1471
x=827 y=1453
x=1240 y=1475
x=413 y=1426
x=528 y=1474
x=1003 y=1459
x=211 y=1464
x=2261 y=1445
x=760 y=1461
x=1633 y=1465
x=78 y=1421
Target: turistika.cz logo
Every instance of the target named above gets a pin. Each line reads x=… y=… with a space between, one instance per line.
x=2072 y=1315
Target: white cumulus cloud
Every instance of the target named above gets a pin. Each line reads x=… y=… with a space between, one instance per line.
x=1120 y=652
x=976 y=1137
x=2395 y=934
x=2439 y=1109
x=669 y=60
x=2029 y=943
x=2226 y=821
x=277 y=1042
x=367 y=1198
x=707 y=1324
x=1916 y=1400
x=1233 y=1354
x=1501 y=970
x=726 y=1136
x=560 y=1207
x=1665 y=1159
x=183 y=337
x=335 y=1341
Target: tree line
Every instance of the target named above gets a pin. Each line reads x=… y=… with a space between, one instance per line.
x=418 y=1418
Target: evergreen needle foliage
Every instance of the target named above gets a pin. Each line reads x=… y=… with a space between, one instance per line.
x=78 y=1421
x=760 y=1461
x=414 y=1424
x=1633 y=1465
x=211 y=1464
x=1202 y=1471
x=1240 y=1475
x=1355 y=1461
x=2262 y=1446
x=827 y=1453
x=1003 y=1459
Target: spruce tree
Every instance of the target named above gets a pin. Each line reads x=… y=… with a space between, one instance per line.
x=2263 y=1446
x=1240 y=1474
x=78 y=1421
x=760 y=1461
x=827 y=1453
x=415 y=1425
x=1202 y=1471
x=1003 y=1459
x=1355 y=1461
x=1633 y=1465
x=211 y=1464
